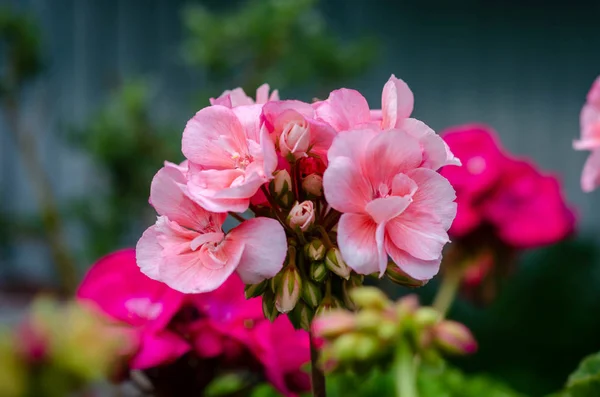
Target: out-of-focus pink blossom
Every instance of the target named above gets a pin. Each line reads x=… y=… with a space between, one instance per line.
x=347 y=110
x=237 y=97
x=590 y=138
x=283 y=351
x=116 y=287
x=187 y=249
x=230 y=157
x=390 y=204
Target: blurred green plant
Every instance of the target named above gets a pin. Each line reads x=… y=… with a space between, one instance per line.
x=286 y=43
x=585 y=381
x=128 y=146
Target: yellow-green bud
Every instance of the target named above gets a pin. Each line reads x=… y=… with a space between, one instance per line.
x=334 y=323
x=254 y=290
x=318 y=271
x=311 y=293
x=368 y=320
x=396 y=275
x=268 y=305
x=369 y=297
x=281 y=188
x=335 y=263
x=301 y=317
x=344 y=347
x=315 y=250
x=367 y=347
x=427 y=317
x=288 y=290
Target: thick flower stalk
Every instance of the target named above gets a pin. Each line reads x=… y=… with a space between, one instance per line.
x=337 y=189
x=383 y=333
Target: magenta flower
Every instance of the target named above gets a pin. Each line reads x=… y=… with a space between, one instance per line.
x=116 y=287
x=237 y=97
x=230 y=156
x=590 y=138
x=187 y=249
x=391 y=205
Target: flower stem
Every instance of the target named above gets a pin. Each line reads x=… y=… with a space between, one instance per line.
x=405 y=371
x=237 y=217
x=326 y=240
x=275 y=208
x=450 y=282
x=317 y=375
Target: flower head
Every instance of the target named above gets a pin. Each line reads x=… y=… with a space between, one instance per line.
x=237 y=97
x=590 y=138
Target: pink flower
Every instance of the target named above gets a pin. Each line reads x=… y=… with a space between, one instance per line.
x=391 y=205
x=347 y=109
x=294 y=126
x=237 y=97
x=116 y=287
x=187 y=249
x=283 y=351
x=590 y=138
x=302 y=215
x=524 y=207
x=230 y=156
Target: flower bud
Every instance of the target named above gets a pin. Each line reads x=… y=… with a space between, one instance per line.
x=281 y=188
x=318 y=271
x=268 y=306
x=327 y=305
x=343 y=348
x=313 y=185
x=288 y=290
x=301 y=317
x=311 y=293
x=368 y=320
x=367 y=347
x=369 y=298
x=254 y=290
x=388 y=330
x=426 y=317
x=302 y=216
x=295 y=139
x=397 y=276
x=315 y=250
x=335 y=263
x=407 y=305
x=334 y=323
x=454 y=338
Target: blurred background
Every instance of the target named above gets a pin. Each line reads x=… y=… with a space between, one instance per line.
x=95 y=94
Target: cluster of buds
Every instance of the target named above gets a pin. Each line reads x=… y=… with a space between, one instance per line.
x=370 y=335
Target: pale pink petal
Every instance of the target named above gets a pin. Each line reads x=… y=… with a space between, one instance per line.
x=270 y=158
x=384 y=209
x=211 y=136
x=403 y=185
x=265 y=248
x=376 y=115
x=436 y=152
x=344 y=109
x=397 y=103
x=416 y=268
x=279 y=113
x=262 y=94
x=435 y=195
x=390 y=153
x=357 y=239
x=345 y=188
x=223 y=100
x=419 y=234
x=249 y=118
x=590 y=178
x=149 y=253
x=159 y=348
x=239 y=98
x=351 y=144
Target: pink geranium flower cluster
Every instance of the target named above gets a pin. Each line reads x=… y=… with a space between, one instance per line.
x=590 y=138
x=337 y=189
x=220 y=329
x=504 y=204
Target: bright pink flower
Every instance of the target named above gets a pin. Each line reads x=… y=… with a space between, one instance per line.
x=347 y=109
x=524 y=207
x=294 y=127
x=187 y=249
x=390 y=204
x=283 y=351
x=116 y=287
x=237 y=97
x=230 y=156
x=590 y=138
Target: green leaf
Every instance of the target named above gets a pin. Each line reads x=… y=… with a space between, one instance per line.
x=225 y=385
x=585 y=381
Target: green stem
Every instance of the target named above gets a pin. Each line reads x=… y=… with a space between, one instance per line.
x=237 y=217
x=405 y=371
x=317 y=375
x=451 y=280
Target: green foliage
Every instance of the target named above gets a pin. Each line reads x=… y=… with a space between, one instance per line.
x=585 y=381
x=129 y=147
x=283 y=42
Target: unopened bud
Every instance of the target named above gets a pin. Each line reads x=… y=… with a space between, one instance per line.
x=368 y=320
x=367 y=347
x=388 y=330
x=427 y=317
x=399 y=277
x=335 y=263
x=302 y=216
x=313 y=185
x=454 y=338
x=343 y=348
x=311 y=293
x=369 y=298
x=315 y=250
x=295 y=139
x=327 y=305
x=254 y=290
x=301 y=317
x=288 y=290
x=407 y=305
x=318 y=271
x=268 y=306
x=334 y=323
x=281 y=188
